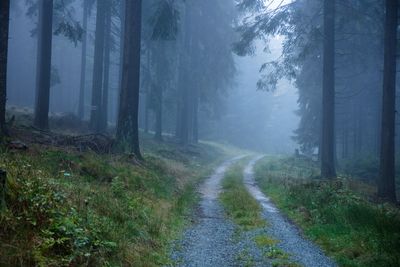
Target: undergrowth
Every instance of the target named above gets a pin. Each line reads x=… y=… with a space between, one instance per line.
x=64 y=208
x=351 y=228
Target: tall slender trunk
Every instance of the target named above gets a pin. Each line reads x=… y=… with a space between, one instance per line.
x=185 y=113
x=158 y=111
x=121 y=48
x=43 y=68
x=195 y=127
x=95 y=116
x=146 y=114
x=81 y=106
x=106 y=74
x=4 y=24
x=161 y=77
x=386 y=183
x=328 y=169
x=128 y=128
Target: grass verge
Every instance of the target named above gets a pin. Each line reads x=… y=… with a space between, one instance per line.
x=237 y=201
x=355 y=231
x=63 y=208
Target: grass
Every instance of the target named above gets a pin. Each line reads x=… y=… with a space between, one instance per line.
x=237 y=201
x=348 y=226
x=65 y=208
x=264 y=241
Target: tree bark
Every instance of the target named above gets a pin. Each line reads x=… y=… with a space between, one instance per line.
x=81 y=106
x=386 y=183
x=328 y=95
x=4 y=28
x=43 y=69
x=106 y=74
x=128 y=128
x=95 y=116
x=158 y=111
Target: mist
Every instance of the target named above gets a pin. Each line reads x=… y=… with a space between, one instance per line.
x=133 y=130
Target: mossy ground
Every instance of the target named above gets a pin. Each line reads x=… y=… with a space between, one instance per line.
x=347 y=224
x=64 y=208
x=237 y=201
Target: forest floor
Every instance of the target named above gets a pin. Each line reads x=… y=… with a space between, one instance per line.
x=69 y=201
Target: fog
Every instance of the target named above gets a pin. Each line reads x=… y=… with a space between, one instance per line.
x=199 y=133
x=259 y=75
x=249 y=118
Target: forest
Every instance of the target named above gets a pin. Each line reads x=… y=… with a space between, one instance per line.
x=199 y=133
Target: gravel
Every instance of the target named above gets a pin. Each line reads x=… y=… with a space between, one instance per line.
x=302 y=251
x=210 y=241
x=215 y=241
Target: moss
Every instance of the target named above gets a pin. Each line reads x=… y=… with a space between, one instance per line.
x=66 y=208
x=238 y=202
x=346 y=224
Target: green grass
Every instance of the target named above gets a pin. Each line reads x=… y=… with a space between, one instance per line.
x=237 y=201
x=264 y=240
x=352 y=229
x=65 y=208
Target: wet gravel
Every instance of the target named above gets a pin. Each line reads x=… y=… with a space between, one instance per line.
x=215 y=241
x=210 y=241
x=302 y=251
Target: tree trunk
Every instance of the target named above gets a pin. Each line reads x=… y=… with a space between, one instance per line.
x=158 y=111
x=128 y=128
x=43 y=68
x=4 y=24
x=386 y=183
x=184 y=83
x=328 y=95
x=195 y=121
x=106 y=74
x=95 y=116
x=121 y=48
x=81 y=106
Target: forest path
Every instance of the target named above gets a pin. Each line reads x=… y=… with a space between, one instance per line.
x=214 y=240
x=291 y=241
x=209 y=242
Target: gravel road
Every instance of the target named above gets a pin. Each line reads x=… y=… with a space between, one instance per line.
x=215 y=241
x=210 y=241
x=302 y=251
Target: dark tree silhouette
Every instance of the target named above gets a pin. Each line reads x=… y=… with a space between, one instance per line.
x=95 y=116
x=127 y=127
x=81 y=106
x=4 y=23
x=386 y=184
x=43 y=69
x=328 y=93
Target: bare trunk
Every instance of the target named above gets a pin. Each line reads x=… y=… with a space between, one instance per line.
x=328 y=95
x=95 y=116
x=128 y=128
x=4 y=24
x=106 y=74
x=158 y=111
x=81 y=107
x=43 y=69
x=386 y=183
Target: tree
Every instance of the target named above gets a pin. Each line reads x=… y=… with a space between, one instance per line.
x=81 y=106
x=4 y=24
x=127 y=126
x=328 y=93
x=106 y=71
x=98 y=66
x=386 y=184
x=43 y=68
